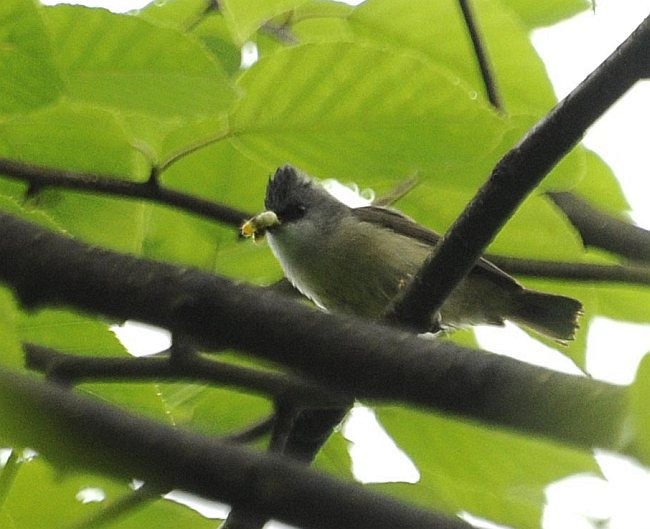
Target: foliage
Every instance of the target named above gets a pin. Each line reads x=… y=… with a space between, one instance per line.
x=369 y=95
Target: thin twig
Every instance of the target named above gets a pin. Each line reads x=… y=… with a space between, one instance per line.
x=252 y=432
x=573 y=271
x=42 y=177
x=75 y=369
x=481 y=55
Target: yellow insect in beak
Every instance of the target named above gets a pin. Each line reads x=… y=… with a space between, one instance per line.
x=256 y=227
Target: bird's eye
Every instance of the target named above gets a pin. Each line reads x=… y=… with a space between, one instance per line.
x=292 y=212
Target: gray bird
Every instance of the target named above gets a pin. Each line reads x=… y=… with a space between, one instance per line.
x=355 y=261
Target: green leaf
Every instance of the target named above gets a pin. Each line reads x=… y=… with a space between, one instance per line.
x=535 y=14
x=216 y=37
x=341 y=109
x=212 y=410
x=70 y=332
x=436 y=205
x=60 y=501
x=81 y=138
x=222 y=173
x=11 y=354
x=114 y=223
x=74 y=333
x=28 y=76
x=176 y=237
x=73 y=136
x=208 y=25
x=601 y=188
x=124 y=62
x=55 y=494
x=312 y=21
x=9 y=204
x=639 y=398
x=490 y=473
x=438 y=30
x=245 y=16
x=334 y=457
x=164 y=514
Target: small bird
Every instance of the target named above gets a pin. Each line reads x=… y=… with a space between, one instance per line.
x=356 y=260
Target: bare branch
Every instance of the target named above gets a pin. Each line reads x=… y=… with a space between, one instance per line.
x=115 y=443
x=42 y=177
x=73 y=369
x=481 y=55
x=573 y=271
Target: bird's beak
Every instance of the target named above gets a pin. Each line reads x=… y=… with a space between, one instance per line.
x=257 y=226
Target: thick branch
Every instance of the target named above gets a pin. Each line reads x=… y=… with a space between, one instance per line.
x=518 y=172
x=481 y=56
x=42 y=177
x=601 y=230
x=72 y=369
x=353 y=356
x=112 y=442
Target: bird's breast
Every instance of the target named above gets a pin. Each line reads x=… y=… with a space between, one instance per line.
x=355 y=267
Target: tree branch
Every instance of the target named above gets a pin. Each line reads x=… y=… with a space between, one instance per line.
x=42 y=177
x=352 y=356
x=573 y=271
x=516 y=174
x=601 y=230
x=72 y=369
x=76 y=432
x=481 y=56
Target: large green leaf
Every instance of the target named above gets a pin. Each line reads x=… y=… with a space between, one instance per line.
x=74 y=136
x=341 y=109
x=28 y=76
x=490 y=473
x=438 y=30
x=124 y=62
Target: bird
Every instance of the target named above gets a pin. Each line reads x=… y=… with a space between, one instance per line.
x=356 y=260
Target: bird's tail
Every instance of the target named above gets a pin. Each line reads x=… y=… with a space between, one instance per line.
x=549 y=314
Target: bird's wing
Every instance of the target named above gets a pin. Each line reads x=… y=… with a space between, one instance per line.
x=399 y=223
